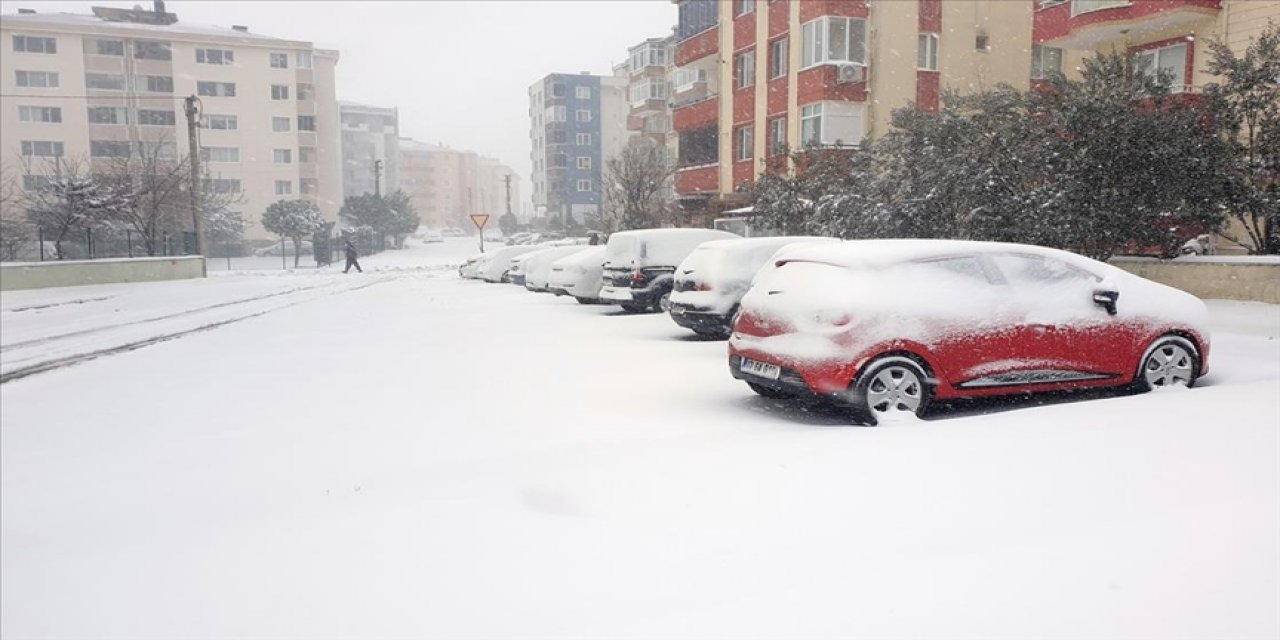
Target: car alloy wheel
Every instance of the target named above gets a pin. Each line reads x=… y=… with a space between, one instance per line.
x=1172 y=361
x=664 y=302
x=891 y=384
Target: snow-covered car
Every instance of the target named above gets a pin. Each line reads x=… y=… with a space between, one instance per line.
x=639 y=264
x=711 y=280
x=891 y=325
x=452 y=232
x=516 y=272
x=287 y=249
x=432 y=235
x=495 y=269
x=473 y=266
x=579 y=275
x=536 y=266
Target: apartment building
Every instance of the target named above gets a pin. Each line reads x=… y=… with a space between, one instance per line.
x=650 y=72
x=446 y=185
x=370 y=149
x=96 y=87
x=577 y=123
x=755 y=78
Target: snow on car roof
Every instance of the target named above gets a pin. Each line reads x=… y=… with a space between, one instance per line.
x=857 y=254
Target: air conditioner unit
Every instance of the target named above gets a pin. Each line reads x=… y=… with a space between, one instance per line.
x=849 y=73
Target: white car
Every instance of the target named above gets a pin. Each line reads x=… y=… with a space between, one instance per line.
x=579 y=275
x=432 y=235
x=712 y=280
x=495 y=270
x=472 y=268
x=536 y=266
x=639 y=265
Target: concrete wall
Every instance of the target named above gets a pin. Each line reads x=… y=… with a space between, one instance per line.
x=1230 y=280
x=67 y=273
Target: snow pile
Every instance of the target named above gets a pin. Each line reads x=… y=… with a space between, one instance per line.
x=715 y=276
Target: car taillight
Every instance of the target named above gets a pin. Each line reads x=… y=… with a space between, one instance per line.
x=702 y=286
x=834 y=318
x=753 y=324
x=638 y=277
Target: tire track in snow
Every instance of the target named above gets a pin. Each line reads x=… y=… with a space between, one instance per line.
x=67 y=361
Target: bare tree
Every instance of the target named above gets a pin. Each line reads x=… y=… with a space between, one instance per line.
x=14 y=229
x=635 y=181
x=157 y=184
x=71 y=200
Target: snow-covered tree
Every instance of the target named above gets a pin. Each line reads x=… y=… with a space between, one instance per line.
x=293 y=219
x=72 y=200
x=224 y=226
x=402 y=219
x=15 y=231
x=1248 y=97
x=635 y=182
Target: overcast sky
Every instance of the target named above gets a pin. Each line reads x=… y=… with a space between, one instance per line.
x=458 y=70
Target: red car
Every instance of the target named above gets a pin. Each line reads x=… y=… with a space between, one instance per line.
x=885 y=325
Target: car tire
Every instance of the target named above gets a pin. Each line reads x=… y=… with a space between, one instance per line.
x=663 y=304
x=634 y=308
x=584 y=300
x=769 y=392
x=1170 y=361
x=887 y=384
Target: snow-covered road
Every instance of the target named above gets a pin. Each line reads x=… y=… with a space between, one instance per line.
x=430 y=457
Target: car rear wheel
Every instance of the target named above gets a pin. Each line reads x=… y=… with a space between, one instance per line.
x=634 y=308
x=1172 y=361
x=769 y=392
x=890 y=384
x=664 y=302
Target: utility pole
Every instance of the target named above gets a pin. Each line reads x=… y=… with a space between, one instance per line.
x=377 y=177
x=507 y=179
x=193 y=155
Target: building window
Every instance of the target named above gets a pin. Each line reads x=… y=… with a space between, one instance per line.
x=107 y=81
x=226 y=123
x=279 y=61
x=42 y=148
x=35 y=182
x=833 y=39
x=743 y=7
x=108 y=115
x=303 y=59
x=215 y=56
x=982 y=42
x=158 y=150
x=582 y=93
x=31 y=44
x=221 y=185
x=657 y=123
x=1044 y=61
x=648 y=89
x=1166 y=64
x=279 y=92
x=582 y=139
x=306 y=154
x=156 y=117
x=308 y=186
x=110 y=148
x=648 y=54
x=306 y=91
x=699 y=147
x=152 y=50
x=279 y=123
x=220 y=154
x=283 y=156
x=777 y=136
x=831 y=123
x=38 y=79
x=306 y=123
x=156 y=84
x=284 y=187
x=584 y=162
x=584 y=185
x=927 y=52
x=697 y=16
x=744 y=69
x=582 y=115
x=778 y=58
x=40 y=114
x=742 y=142
x=556 y=114
x=104 y=47
x=686 y=78
x=216 y=89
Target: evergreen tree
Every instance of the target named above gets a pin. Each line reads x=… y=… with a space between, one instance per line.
x=293 y=219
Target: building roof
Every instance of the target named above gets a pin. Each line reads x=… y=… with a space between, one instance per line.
x=75 y=22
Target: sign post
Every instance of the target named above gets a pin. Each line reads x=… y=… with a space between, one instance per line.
x=480 y=219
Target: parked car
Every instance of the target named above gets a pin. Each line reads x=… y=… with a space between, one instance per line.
x=516 y=272
x=452 y=232
x=892 y=325
x=638 y=265
x=579 y=275
x=536 y=266
x=711 y=280
x=495 y=270
x=432 y=235
x=474 y=265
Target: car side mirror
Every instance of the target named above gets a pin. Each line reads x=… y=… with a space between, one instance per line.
x=1106 y=298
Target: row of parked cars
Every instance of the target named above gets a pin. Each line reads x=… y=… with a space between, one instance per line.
x=884 y=325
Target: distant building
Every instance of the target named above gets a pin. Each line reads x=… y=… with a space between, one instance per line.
x=447 y=185
x=370 y=135
x=102 y=86
x=650 y=70
x=577 y=123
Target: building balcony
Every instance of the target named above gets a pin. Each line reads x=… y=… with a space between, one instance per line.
x=702 y=179
x=1087 y=24
x=698 y=46
x=696 y=115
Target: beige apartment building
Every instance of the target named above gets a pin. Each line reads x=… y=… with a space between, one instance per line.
x=446 y=185
x=95 y=87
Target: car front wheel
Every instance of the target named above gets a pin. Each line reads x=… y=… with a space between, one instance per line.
x=1172 y=361
x=890 y=384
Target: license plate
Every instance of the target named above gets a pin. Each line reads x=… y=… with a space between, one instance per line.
x=762 y=369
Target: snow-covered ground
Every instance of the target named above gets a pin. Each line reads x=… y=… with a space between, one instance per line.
x=401 y=453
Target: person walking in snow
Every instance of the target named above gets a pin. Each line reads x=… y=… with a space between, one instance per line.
x=350 y=251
